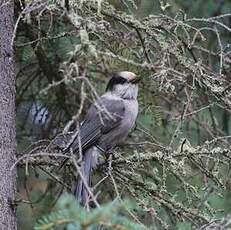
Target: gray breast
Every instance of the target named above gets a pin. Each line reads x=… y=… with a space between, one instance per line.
x=117 y=135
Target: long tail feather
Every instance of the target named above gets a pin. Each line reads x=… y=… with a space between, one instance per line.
x=89 y=163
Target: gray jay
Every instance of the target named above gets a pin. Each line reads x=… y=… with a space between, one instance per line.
x=106 y=124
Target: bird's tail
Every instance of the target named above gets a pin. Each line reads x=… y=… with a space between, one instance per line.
x=89 y=163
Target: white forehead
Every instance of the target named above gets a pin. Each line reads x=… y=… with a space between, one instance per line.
x=127 y=75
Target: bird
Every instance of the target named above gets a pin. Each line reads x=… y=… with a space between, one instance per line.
x=106 y=124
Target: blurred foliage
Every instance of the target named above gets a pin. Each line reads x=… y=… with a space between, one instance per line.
x=176 y=164
x=69 y=214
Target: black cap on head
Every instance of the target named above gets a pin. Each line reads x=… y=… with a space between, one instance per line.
x=116 y=79
x=121 y=78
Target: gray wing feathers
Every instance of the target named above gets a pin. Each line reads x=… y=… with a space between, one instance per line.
x=98 y=122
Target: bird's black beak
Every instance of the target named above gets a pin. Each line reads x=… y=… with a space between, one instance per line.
x=135 y=80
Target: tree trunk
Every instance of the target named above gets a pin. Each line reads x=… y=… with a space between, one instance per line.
x=7 y=118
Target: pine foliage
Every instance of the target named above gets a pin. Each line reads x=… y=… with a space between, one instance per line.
x=71 y=216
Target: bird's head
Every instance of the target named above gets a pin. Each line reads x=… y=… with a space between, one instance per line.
x=124 y=84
